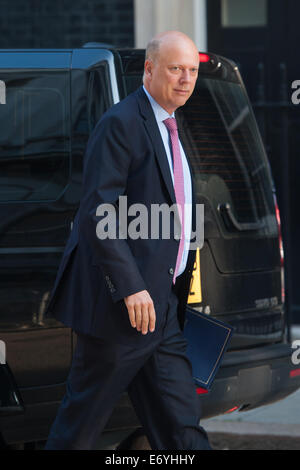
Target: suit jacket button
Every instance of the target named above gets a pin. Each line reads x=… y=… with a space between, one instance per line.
x=171 y=271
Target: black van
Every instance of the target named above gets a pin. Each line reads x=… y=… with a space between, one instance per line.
x=50 y=100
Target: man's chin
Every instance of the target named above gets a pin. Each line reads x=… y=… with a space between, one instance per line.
x=181 y=102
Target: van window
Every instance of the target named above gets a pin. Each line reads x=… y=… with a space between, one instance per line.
x=221 y=138
x=34 y=138
x=99 y=96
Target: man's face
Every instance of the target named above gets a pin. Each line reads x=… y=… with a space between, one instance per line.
x=171 y=77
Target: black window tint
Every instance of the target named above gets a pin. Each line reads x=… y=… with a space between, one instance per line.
x=34 y=138
x=99 y=97
x=221 y=139
x=91 y=97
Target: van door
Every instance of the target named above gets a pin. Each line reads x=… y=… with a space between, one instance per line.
x=35 y=213
x=240 y=261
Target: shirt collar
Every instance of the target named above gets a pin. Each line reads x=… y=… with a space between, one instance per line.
x=160 y=113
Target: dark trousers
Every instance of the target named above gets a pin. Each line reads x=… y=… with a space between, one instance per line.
x=159 y=381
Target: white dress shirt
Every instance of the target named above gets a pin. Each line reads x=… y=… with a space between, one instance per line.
x=161 y=114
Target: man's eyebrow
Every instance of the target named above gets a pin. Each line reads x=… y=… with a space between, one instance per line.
x=182 y=65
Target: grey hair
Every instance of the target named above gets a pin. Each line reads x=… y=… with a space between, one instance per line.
x=152 y=49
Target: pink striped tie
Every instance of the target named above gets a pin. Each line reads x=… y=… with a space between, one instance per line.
x=171 y=125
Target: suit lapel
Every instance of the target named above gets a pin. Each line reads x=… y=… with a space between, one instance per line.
x=160 y=153
x=154 y=134
x=182 y=140
x=153 y=131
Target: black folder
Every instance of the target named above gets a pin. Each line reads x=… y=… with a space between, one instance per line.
x=207 y=340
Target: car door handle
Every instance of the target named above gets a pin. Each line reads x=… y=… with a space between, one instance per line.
x=231 y=221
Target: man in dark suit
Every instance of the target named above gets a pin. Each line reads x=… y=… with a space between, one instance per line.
x=125 y=295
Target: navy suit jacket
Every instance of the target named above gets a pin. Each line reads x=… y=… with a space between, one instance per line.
x=125 y=156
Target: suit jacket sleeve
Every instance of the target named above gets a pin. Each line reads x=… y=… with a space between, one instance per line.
x=107 y=166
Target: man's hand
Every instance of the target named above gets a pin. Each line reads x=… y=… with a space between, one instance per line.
x=141 y=311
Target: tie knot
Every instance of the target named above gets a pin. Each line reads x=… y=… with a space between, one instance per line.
x=171 y=124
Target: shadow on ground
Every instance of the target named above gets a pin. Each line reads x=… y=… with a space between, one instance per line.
x=227 y=441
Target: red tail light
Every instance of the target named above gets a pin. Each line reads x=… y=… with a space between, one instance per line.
x=232 y=409
x=201 y=390
x=203 y=57
x=294 y=373
x=280 y=247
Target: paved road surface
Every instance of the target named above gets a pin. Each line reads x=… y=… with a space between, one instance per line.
x=275 y=426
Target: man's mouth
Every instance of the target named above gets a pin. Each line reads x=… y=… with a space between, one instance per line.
x=182 y=92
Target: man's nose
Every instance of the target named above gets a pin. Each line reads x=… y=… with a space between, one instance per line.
x=185 y=76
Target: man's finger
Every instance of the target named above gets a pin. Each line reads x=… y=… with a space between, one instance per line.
x=138 y=316
x=131 y=314
x=152 y=318
x=145 y=319
x=141 y=311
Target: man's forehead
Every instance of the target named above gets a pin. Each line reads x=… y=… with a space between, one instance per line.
x=180 y=59
x=175 y=51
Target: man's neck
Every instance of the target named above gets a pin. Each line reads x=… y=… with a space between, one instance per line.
x=157 y=103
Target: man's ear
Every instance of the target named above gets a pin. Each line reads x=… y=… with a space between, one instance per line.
x=148 y=68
